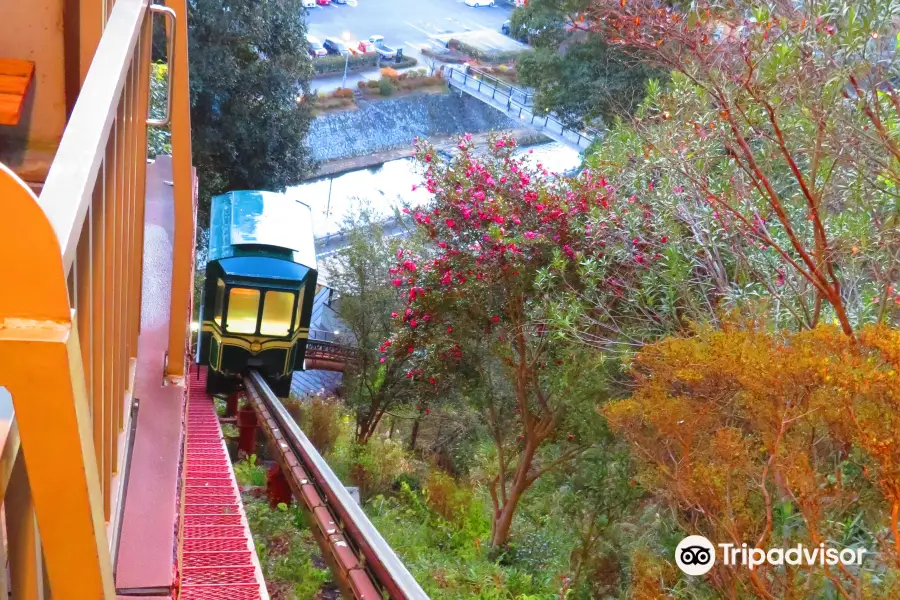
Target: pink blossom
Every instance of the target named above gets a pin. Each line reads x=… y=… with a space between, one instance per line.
x=479 y=195
x=450 y=223
x=428 y=158
x=500 y=144
x=394 y=314
x=381 y=359
x=414 y=187
x=530 y=235
x=397 y=282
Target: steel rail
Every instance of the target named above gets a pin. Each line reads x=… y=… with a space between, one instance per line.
x=388 y=570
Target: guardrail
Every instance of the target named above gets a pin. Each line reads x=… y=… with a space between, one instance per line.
x=71 y=267
x=340 y=523
x=517 y=103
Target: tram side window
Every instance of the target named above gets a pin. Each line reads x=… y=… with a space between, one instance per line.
x=243 y=310
x=220 y=302
x=277 y=311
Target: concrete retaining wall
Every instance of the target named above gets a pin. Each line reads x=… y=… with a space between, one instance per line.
x=384 y=124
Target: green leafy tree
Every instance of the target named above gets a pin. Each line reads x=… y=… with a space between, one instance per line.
x=366 y=299
x=248 y=65
x=577 y=74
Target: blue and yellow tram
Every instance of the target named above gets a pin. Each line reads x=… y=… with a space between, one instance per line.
x=259 y=291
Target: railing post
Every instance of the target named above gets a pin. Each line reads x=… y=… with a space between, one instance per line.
x=182 y=174
x=40 y=366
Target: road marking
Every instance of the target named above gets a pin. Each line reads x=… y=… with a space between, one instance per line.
x=416 y=27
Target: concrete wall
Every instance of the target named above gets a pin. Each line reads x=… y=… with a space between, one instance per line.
x=384 y=124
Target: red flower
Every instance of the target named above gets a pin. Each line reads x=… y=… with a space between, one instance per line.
x=432 y=380
x=450 y=223
x=428 y=410
x=394 y=315
x=449 y=329
x=409 y=375
x=663 y=239
x=410 y=349
x=397 y=282
x=495 y=319
x=413 y=323
x=428 y=158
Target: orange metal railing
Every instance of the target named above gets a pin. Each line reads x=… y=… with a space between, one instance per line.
x=70 y=297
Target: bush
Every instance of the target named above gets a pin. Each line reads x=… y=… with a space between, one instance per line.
x=342 y=93
x=320 y=419
x=376 y=465
x=488 y=57
x=249 y=473
x=390 y=73
x=386 y=87
x=335 y=64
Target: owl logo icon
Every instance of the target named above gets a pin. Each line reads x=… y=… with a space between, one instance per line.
x=695 y=555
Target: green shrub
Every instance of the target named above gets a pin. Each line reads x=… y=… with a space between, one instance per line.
x=249 y=473
x=386 y=87
x=335 y=64
x=375 y=466
x=320 y=419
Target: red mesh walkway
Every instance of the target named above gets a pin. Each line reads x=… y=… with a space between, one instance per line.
x=217 y=556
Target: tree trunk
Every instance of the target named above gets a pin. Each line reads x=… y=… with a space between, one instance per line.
x=414 y=436
x=503 y=517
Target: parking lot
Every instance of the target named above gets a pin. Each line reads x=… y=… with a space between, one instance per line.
x=406 y=24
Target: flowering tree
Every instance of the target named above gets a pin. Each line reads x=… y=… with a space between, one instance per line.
x=475 y=319
x=780 y=123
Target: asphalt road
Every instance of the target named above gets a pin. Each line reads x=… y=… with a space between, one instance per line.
x=407 y=24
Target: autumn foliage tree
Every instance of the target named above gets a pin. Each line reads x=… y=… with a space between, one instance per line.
x=774 y=440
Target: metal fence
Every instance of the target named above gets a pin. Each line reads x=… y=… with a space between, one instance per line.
x=518 y=104
x=71 y=267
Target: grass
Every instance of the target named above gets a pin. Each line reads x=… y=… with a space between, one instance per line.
x=290 y=558
x=249 y=473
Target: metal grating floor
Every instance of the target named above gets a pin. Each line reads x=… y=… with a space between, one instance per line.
x=217 y=559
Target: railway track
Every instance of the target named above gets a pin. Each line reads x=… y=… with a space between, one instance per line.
x=365 y=566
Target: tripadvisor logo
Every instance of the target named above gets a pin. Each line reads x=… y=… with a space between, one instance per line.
x=696 y=555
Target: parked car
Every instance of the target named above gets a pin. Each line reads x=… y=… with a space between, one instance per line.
x=477 y=3
x=335 y=46
x=381 y=48
x=323 y=2
x=316 y=48
x=365 y=46
x=308 y=3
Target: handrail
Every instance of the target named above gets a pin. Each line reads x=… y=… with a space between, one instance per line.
x=582 y=139
x=388 y=568
x=171 y=17
x=69 y=187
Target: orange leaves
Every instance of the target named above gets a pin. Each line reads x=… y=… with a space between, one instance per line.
x=728 y=422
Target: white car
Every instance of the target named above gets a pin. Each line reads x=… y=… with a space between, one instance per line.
x=309 y=3
x=479 y=2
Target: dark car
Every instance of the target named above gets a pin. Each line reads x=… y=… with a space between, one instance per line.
x=335 y=46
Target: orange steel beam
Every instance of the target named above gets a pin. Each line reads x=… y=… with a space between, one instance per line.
x=183 y=242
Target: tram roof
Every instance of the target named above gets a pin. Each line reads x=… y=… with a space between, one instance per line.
x=256 y=218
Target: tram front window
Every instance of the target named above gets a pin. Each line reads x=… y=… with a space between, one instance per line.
x=278 y=309
x=243 y=310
